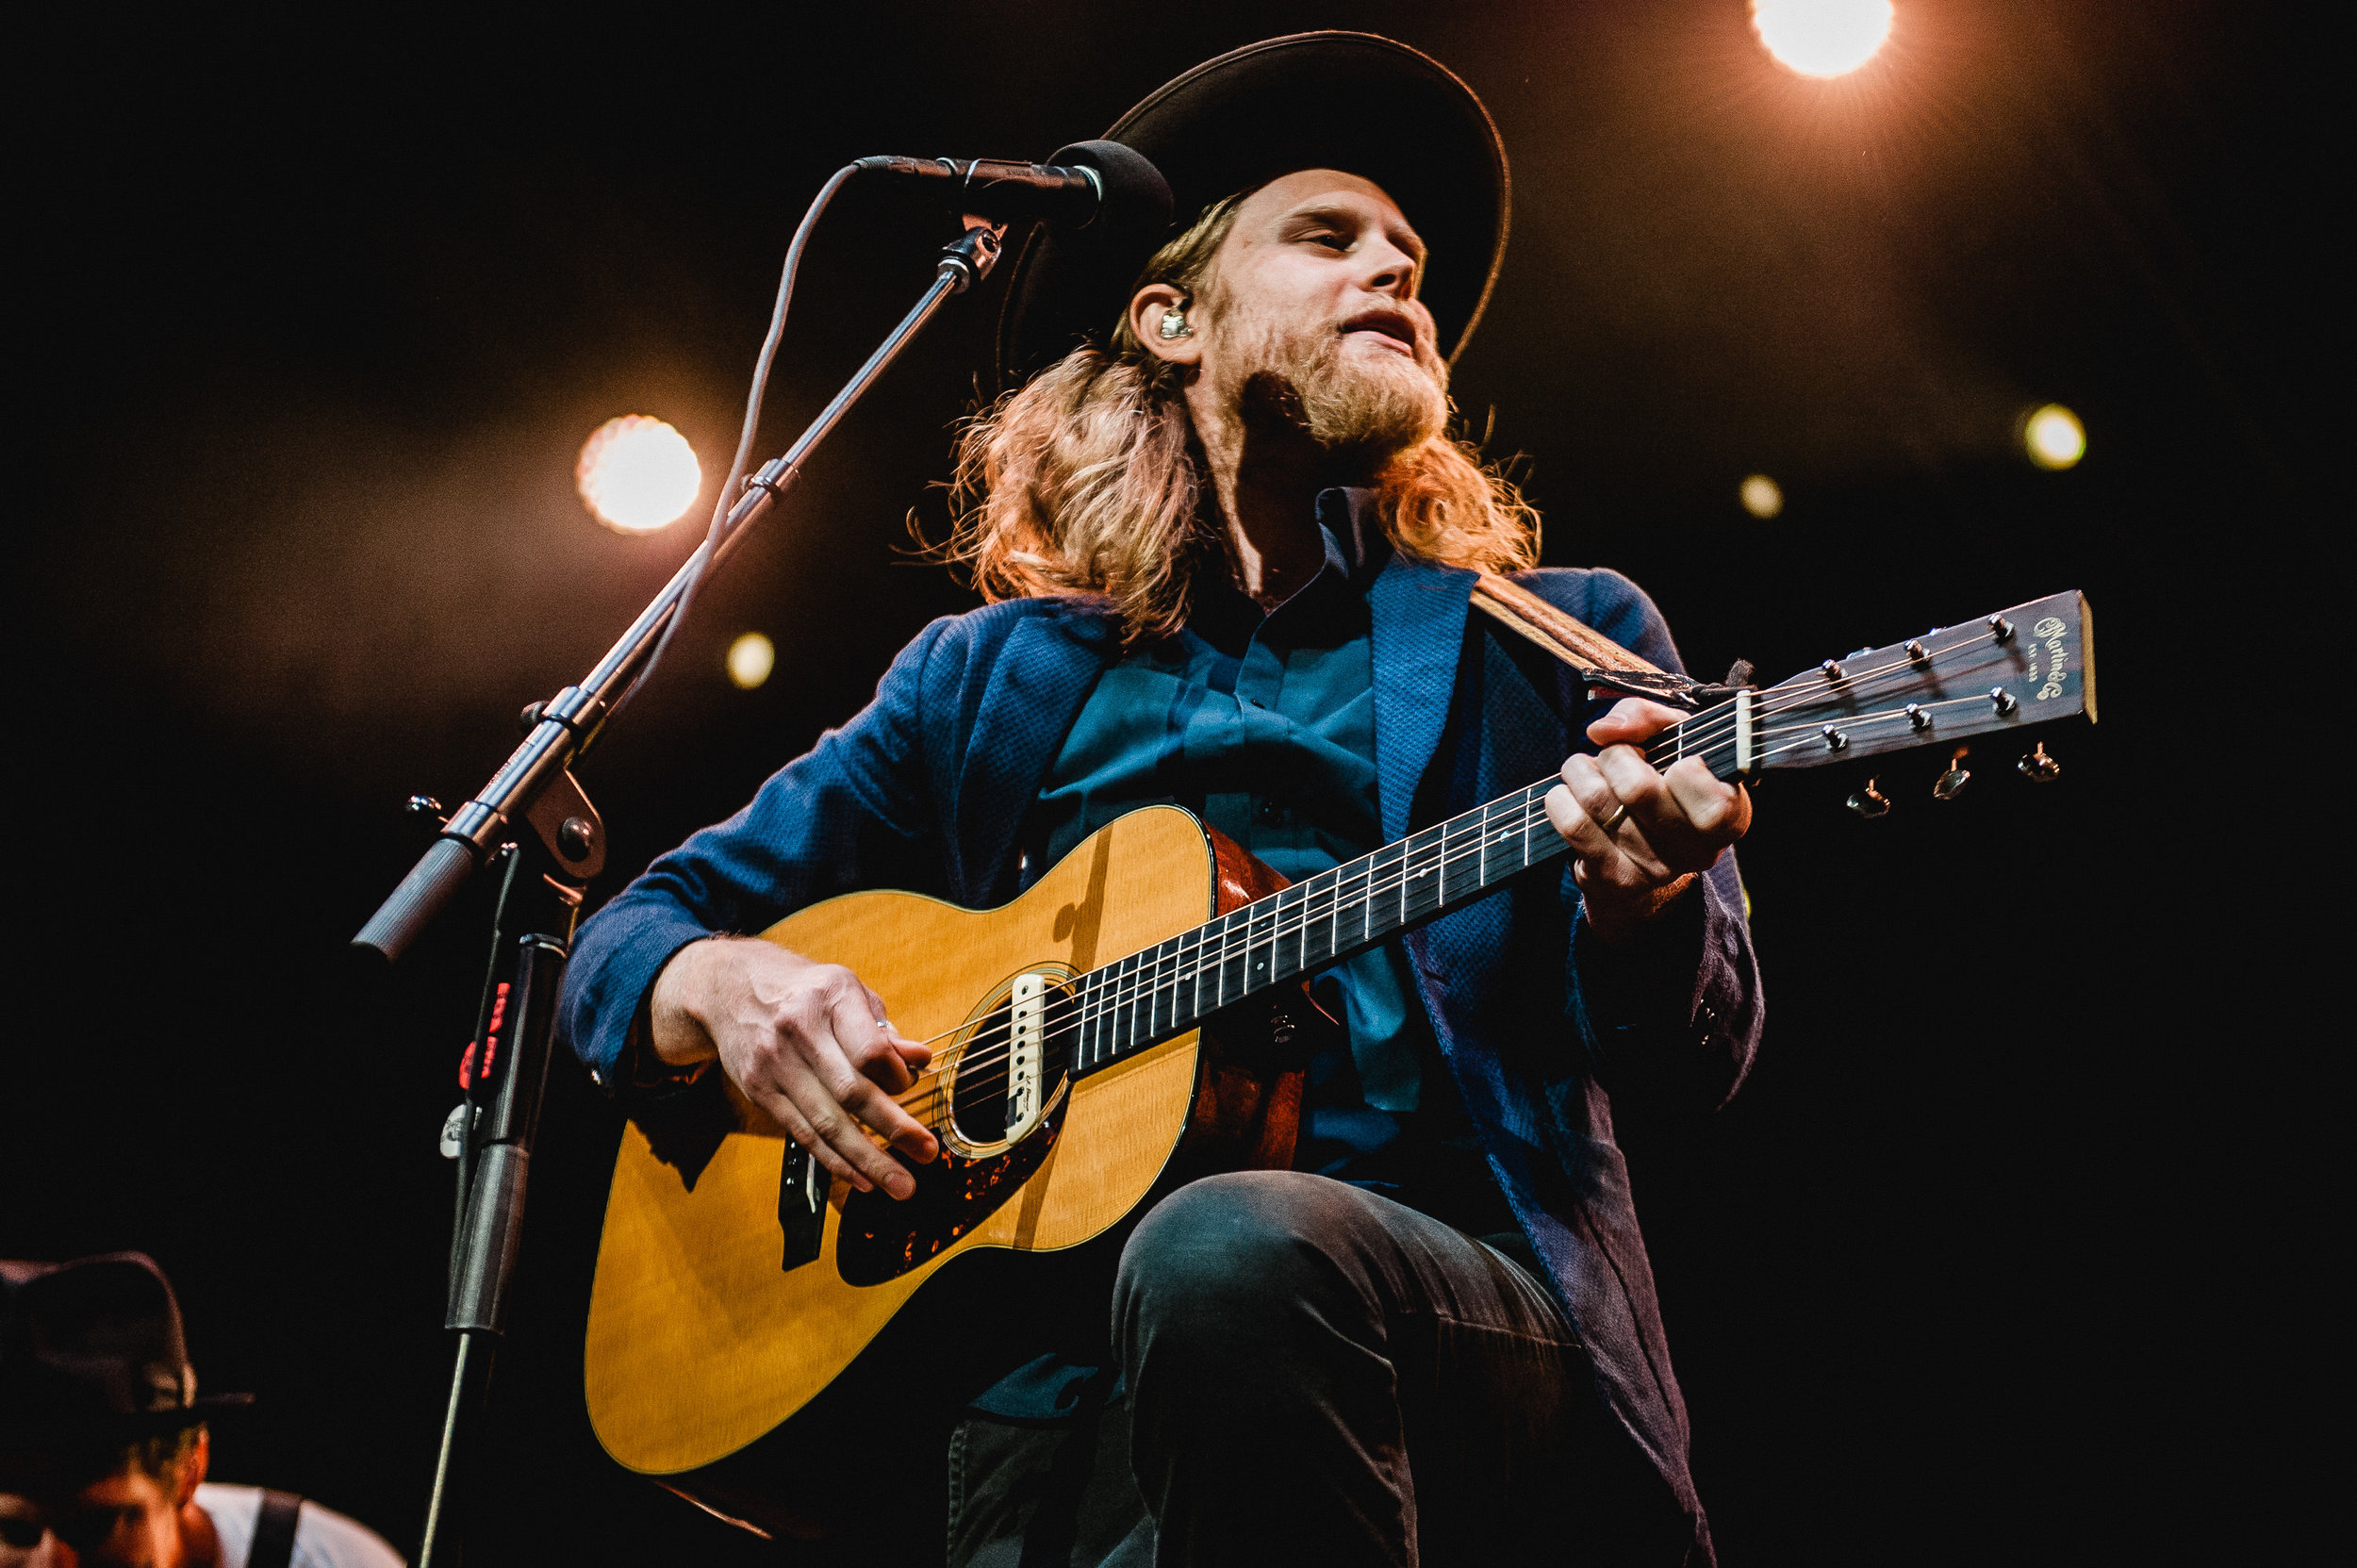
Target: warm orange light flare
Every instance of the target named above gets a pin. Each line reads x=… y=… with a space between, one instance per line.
x=637 y=474
x=1822 y=38
x=2054 y=437
x=751 y=657
x=1762 y=496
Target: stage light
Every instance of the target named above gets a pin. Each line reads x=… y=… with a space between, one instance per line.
x=1822 y=38
x=751 y=659
x=1762 y=496
x=2054 y=437
x=637 y=474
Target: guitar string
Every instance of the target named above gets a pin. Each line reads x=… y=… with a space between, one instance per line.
x=1322 y=903
x=1706 y=729
x=1707 y=733
x=1074 y=1011
x=1720 y=721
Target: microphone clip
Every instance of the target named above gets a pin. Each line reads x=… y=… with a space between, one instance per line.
x=969 y=257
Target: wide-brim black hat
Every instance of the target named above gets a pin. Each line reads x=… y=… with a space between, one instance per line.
x=1364 y=104
x=92 y=1349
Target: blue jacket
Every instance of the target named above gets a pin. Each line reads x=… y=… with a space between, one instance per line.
x=927 y=789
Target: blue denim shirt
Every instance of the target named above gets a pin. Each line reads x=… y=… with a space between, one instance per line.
x=1264 y=726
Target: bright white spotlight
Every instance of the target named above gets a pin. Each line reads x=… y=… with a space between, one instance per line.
x=636 y=474
x=1762 y=496
x=2054 y=437
x=751 y=659
x=1822 y=38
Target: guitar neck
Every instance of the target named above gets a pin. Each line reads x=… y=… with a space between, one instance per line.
x=2028 y=665
x=1317 y=923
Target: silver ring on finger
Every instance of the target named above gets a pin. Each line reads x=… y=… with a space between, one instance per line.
x=1620 y=815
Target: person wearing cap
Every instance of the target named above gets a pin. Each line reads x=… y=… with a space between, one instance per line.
x=1229 y=545
x=104 y=1442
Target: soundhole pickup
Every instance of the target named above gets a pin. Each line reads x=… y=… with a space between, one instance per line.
x=1008 y=1068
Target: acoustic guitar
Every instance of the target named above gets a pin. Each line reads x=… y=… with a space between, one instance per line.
x=1144 y=997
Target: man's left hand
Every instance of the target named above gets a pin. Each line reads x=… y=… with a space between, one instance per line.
x=1674 y=825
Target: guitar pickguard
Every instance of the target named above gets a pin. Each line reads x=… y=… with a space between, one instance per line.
x=882 y=1238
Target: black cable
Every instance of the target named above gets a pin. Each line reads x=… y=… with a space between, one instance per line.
x=710 y=549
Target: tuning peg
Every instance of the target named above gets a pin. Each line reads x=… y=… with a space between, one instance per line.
x=1951 y=783
x=1870 y=802
x=529 y=719
x=2038 y=767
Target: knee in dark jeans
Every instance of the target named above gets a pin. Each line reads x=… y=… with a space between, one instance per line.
x=1228 y=1262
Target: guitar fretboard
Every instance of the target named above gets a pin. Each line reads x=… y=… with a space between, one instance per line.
x=1934 y=691
x=1338 y=914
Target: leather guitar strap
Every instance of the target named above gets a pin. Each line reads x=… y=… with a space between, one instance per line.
x=1599 y=660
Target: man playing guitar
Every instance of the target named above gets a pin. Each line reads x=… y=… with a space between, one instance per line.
x=1230 y=546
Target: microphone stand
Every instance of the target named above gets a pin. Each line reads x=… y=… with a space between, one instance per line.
x=534 y=808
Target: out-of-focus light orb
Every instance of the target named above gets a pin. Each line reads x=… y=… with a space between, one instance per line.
x=1822 y=38
x=1762 y=496
x=637 y=474
x=2054 y=437
x=751 y=657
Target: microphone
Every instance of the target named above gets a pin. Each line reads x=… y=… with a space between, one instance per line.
x=1076 y=188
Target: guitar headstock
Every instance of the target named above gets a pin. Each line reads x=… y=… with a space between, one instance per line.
x=2026 y=665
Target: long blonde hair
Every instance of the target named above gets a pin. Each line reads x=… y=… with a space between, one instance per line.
x=1087 y=480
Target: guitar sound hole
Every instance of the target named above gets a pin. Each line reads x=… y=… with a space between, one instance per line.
x=980 y=1104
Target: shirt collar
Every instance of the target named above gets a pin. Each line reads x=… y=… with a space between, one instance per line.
x=1355 y=545
x=1356 y=552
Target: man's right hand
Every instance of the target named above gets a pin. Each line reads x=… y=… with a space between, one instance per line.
x=805 y=1046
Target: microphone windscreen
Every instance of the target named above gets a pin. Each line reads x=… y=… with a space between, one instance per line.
x=1137 y=198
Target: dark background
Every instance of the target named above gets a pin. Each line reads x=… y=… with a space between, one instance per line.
x=2009 y=1249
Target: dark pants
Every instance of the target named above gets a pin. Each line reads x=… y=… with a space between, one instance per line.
x=1315 y=1374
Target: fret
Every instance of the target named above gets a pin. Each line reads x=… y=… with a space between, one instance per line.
x=1170 y=984
x=1150 y=992
x=1189 y=985
x=1350 y=906
x=1420 y=889
x=1175 y=983
x=1461 y=858
x=1381 y=904
x=1100 y=1045
x=1232 y=955
x=1260 y=943
x=1285 y=950
x=1317 y=919
x=1125 y=1010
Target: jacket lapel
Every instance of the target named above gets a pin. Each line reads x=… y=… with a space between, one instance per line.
x=1043 y=674
x=1419 y=633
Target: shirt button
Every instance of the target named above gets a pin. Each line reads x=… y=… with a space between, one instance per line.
x=1272 y=812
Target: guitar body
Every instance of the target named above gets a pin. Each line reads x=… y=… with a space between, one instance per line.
x=710 y=1326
